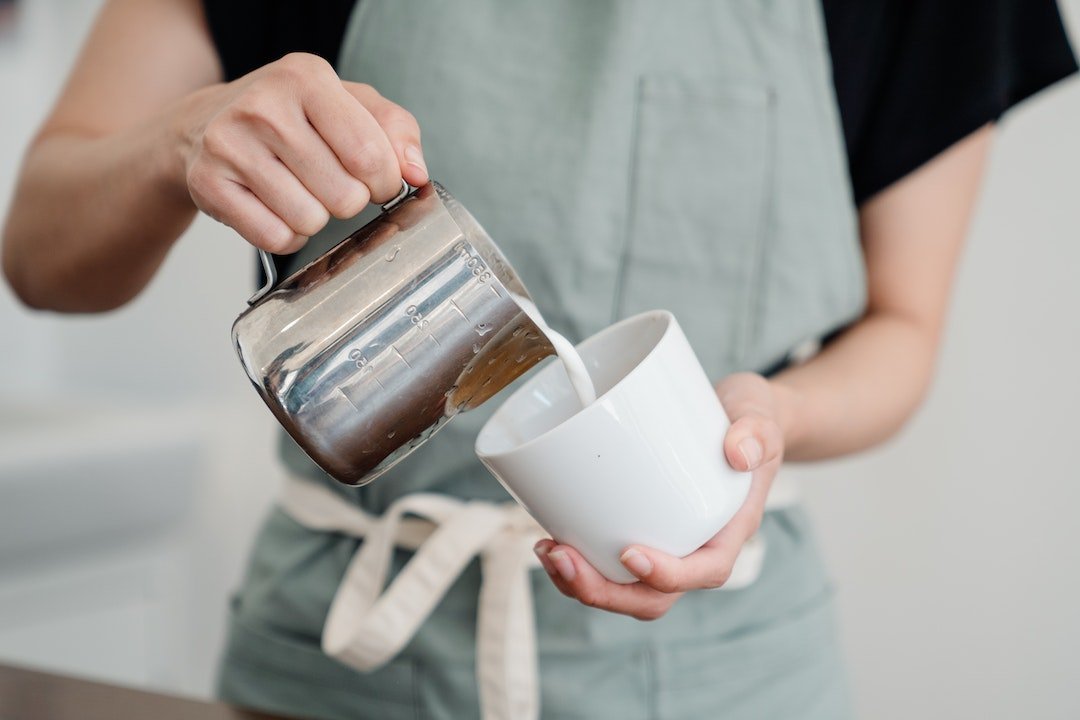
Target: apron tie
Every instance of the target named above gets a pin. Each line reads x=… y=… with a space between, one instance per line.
x=369 y=623
x=367 y=626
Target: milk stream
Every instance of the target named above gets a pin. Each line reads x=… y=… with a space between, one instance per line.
x=571 y=360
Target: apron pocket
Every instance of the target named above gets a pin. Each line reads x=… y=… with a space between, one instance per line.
x=274 y=672
x=698 y=210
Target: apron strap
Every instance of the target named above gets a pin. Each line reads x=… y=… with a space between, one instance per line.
x=366 y=627
x=368 y=623
x=506 y=659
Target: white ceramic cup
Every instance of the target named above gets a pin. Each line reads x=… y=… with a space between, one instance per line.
x=642 y=465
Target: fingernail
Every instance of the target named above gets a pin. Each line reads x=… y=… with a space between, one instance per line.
x=563 y=564
x=751 y=451
x=544 y=562
x=636 y=562
x=413 y=156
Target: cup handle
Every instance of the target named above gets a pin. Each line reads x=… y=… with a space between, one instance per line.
x=270 y=270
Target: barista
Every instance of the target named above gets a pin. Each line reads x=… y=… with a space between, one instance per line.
x=818 y=164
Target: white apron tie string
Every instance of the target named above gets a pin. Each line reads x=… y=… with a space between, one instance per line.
x=368 y=625
x=365 y=629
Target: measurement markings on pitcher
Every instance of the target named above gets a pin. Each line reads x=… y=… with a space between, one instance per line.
x=357 y=407
x=422 y=323
x=474 y=263
x=417 y=318
x=453 y=304
x=398 y=353
x=362 y=363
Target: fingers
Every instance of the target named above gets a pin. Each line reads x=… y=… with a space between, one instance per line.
x=753 y=442
x=344 y=124
x=400 y=127
x=310 y=159
x=707 y=567
x=711 y=565
x=577 y=579
x=280 y=190
x=237 y=180
x=754 y=439
x=229 y=202
x=360 y=143
x=303 y=144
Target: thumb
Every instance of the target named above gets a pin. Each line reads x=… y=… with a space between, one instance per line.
x=752 y=441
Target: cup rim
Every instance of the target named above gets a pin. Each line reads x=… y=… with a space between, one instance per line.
x=670 y=323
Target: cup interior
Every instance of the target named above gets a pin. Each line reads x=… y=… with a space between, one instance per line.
x=547 y=400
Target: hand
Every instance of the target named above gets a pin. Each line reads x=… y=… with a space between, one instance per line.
x=753 y=442
x=275 y=153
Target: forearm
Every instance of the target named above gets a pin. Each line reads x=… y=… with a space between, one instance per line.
x=869 y=381
x=859 y=390
x=93 y=217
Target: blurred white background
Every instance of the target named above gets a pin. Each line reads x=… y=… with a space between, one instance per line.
x=135 y=461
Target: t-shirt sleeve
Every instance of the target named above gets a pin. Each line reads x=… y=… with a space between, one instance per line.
x=251 y=33
x=913 y=77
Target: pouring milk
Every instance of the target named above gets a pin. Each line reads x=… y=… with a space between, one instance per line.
x=571 y=360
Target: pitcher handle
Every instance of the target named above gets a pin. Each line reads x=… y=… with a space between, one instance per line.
x=270 y=270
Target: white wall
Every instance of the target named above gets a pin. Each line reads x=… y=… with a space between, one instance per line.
x=79 y=394
x=954 y=548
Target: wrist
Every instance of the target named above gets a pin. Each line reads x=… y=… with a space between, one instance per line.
x=177 y=133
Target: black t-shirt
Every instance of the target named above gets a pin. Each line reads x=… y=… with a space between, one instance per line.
x=912 y=76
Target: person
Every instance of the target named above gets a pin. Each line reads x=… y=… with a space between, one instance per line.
x=776 y=174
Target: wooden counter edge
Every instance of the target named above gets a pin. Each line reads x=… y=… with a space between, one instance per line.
x=27 y=694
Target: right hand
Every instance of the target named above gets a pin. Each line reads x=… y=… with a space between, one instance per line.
x=275 y=153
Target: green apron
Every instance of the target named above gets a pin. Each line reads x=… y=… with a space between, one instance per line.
x=626 y=155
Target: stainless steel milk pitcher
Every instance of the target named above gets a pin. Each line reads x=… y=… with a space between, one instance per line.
x=366 y=352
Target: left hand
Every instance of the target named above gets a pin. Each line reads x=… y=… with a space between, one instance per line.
x=754 y=442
